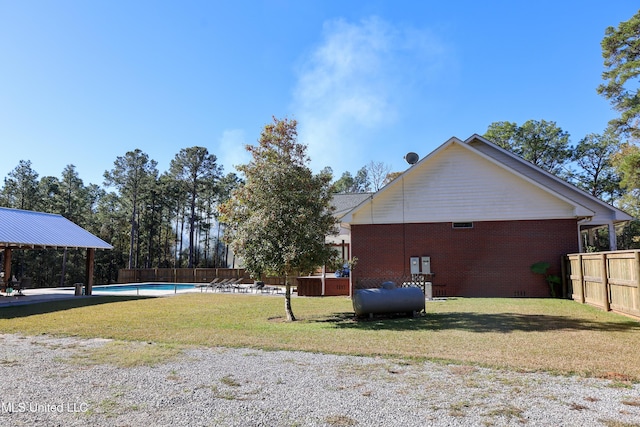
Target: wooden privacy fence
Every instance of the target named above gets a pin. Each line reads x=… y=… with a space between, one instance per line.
x=609 y=280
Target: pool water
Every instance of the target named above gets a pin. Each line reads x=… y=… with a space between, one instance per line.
x=166 y=287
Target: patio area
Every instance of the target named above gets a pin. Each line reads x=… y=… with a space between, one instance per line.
x=32 y=296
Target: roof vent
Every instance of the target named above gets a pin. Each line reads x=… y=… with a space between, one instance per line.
x=411 y=158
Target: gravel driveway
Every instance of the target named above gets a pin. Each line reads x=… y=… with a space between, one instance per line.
x=47 y=381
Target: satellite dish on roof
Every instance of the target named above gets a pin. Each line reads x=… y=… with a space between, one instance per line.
x=411 y=158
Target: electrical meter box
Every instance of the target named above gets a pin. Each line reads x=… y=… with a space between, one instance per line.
x=415 y=265
x=426 y=265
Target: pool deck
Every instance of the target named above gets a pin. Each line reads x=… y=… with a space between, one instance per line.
x=32 y=296
x=37 y=295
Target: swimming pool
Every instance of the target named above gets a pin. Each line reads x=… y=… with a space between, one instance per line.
x=144 y=288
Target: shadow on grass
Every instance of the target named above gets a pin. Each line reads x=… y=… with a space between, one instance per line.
x=478 y=322
x=44 y=307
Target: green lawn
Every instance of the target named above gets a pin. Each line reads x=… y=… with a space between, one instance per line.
x=553 y=335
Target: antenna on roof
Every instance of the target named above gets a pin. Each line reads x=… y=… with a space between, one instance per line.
x=411 y=158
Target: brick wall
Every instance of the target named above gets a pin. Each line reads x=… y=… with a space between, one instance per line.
x=492 y=259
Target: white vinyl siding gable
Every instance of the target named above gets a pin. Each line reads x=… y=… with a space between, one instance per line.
x=602 y=211
x=457 y=184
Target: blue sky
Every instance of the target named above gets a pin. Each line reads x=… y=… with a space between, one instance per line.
x=83 y=82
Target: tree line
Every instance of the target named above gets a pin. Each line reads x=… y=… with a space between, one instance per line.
x=151 y=219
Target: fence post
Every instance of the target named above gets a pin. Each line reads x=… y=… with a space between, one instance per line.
x=581 y=278
x=605 y=283
x=637 y=271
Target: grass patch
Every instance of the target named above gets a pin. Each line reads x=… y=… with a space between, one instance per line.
x=229 y=381
x=340 y=421
x=616 y=423
x=632 y=402
x=458 y=409
x=552 y=335
x=128 y=354
x=223 y=394
x=508 y=411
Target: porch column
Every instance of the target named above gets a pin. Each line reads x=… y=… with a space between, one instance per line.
x=580 y=245
x=91 y=254
x=613 y=241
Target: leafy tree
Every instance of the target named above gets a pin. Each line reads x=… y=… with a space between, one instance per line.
x=174 y=203
x=131 y=175
x=327 y=170
x=627 y=165
x=70 y=201
x=542 y=143
x=350 y=184
x=627 y=162
x=198 y=171
x=72 y=196
x=49 y=190
x=207 y=212
x=93 y=222
x=20 y=189
x=503 y=134
x=361 y=182
x=391 y=176
x=629 y=238
x=113 y=226
x=597 y=175
x=226 y=186
x=621 y=53
x=152 y=227
x=278 y=220
x=345 y=184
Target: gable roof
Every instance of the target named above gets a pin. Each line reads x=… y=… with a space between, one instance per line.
x=39 y=230
x=477 y=180
x=345 y=202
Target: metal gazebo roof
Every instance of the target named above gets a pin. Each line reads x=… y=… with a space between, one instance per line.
x=39 y=230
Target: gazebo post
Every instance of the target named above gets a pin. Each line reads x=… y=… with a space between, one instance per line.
x=91 y=255
x=7 y=267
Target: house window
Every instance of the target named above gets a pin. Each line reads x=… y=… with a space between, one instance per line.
x=462 y=225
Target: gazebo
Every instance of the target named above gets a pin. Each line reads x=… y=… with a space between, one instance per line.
x=21 y=229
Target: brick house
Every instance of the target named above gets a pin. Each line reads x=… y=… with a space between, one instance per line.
x=481 y=215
